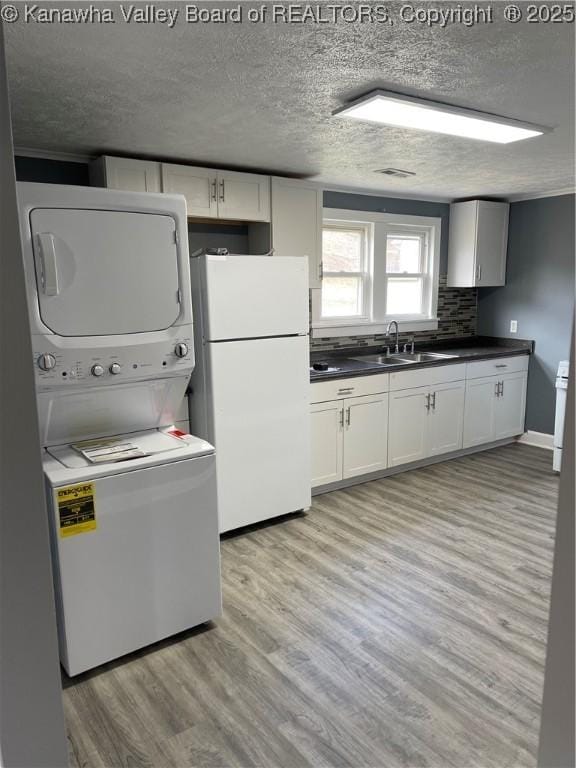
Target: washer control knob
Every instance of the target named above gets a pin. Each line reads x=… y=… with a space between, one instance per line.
x=97 y=370
x=46 y=362
x=115 y=368
x=181 y=349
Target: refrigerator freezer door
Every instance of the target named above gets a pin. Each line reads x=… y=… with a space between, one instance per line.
x=261 y=428
x=255 y=296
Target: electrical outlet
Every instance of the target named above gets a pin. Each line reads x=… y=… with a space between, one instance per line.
x=513 y=326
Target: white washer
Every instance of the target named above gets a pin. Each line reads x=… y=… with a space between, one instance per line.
x=135 y=546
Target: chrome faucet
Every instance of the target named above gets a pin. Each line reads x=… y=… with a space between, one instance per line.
x=388 y=330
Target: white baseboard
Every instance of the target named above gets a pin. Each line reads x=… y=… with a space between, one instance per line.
x=539 y=439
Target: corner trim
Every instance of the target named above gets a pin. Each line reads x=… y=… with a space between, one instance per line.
x=539 y=439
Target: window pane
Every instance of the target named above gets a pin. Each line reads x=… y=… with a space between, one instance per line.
x=404 y=296
x=403 y=254
x=342 y=250
x=341 y=296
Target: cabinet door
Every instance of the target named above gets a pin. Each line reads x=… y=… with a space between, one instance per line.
x=243 y=196
x=510 y=406
x=365 y=434
x=297 y=223
x=479 y=411
x=491 y=243
x=132 y=175
x=446 y=419
x=326 y=423
x=198 y=185
x=407 y=426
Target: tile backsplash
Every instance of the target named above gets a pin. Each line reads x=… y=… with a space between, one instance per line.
x=457 y=313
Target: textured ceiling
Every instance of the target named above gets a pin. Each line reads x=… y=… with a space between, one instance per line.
x=261 y=96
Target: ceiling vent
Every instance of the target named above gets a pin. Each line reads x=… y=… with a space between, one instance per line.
x=396 y=172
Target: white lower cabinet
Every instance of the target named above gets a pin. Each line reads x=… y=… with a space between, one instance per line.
x=408 y=425
x=425 y=421
x=359 y=427
x=446 y=420
x=365 y=435
x=349 y=437
x=510 y=406
x=326 y=440
x=495 y=408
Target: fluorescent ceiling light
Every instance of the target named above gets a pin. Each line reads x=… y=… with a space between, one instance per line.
x=408 y=112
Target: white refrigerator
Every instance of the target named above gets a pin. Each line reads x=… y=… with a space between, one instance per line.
x=250 y=388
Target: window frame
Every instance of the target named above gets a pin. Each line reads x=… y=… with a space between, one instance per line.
x=365 y=274
x=381 y=225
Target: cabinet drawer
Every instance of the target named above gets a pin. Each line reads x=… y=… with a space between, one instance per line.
x=497 y=366
x=424 y=376
x=338 y=389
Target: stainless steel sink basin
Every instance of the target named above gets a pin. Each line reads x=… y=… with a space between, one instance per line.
x=383 y=360
x=422 y=357
x=405 y=358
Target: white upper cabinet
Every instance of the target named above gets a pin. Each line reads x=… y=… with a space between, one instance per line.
x=297 y=223
x=198 y=185
x=209 y=193
x=478 y=240
x=243 y=196
x=126 y=173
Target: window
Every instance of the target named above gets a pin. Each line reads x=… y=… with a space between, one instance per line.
x=346 y=271
x=406 y=270
x=377 y=267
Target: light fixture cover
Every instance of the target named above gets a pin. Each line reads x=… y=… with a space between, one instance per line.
x=402 y=111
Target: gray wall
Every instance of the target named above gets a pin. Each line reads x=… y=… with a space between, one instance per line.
x=539 y=294
x=353 y=202
x=557 y=725
x=31 y=716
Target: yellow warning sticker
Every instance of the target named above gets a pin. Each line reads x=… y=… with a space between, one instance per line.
x=76 y=509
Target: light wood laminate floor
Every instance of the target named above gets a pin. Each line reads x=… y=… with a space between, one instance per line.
x=400 y=622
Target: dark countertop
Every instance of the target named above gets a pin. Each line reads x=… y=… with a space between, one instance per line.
x=467 y=349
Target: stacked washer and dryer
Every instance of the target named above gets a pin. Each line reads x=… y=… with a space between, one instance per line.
x=132 y=500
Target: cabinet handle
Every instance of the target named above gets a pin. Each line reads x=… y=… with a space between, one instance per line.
x=341 y=418
x=348 y=417
x=345 y=390
x=222 y=191
x=213 y=190
x=434 y=400
x=497 y=390
x=502 y=389
x=501 y=365
x=321 y=271
x=428 y=401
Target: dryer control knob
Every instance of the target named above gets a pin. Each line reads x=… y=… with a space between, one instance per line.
x=46 y=362
x=97 y=370
x=115 y=368
x=181 y=349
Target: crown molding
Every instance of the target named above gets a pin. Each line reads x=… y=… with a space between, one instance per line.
x=391 y=193
x=538 y=195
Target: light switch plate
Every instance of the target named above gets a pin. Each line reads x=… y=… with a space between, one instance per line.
x=513 y=326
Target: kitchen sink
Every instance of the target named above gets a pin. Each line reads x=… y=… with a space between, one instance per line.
x=383 y=360
x=421 y=357
x=405 y=358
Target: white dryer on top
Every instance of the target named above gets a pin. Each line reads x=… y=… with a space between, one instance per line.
x=109 y=305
